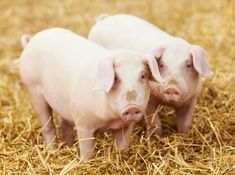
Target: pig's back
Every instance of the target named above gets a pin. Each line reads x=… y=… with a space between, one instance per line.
x=129 y=32
x=58 y=50
x=58 y=41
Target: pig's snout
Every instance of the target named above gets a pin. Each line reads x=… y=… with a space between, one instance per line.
x=132 y=113
x=172 y=94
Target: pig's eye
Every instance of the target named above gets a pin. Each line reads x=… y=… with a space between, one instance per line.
x=189 y=64
x=144 y=76
x=116 y=82
x=116 y=79
x=160 y=64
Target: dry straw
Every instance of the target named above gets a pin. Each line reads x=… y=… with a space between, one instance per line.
x=209 y=148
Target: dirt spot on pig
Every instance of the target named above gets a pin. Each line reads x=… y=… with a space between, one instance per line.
x=131 y=95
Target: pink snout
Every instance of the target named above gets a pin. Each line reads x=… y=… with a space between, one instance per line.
x=132 y=113
x=172 y=94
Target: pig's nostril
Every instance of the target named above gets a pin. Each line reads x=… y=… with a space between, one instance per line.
x=168 y=93
x=171 y=91
x=132 y=113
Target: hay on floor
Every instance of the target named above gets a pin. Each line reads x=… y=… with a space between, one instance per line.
x=209 y=148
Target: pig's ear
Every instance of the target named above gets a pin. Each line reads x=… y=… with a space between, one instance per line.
x=200 y=61
x=158 y=52
x=105 y=75
x=150 y=60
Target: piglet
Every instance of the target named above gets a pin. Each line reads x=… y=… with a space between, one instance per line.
x=88 y=86
x=181 y=64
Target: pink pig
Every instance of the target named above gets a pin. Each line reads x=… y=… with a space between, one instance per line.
x=88 y=86
x=181 y=64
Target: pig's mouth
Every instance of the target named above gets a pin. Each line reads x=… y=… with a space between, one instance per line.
x=172 y=101
x=132 y=113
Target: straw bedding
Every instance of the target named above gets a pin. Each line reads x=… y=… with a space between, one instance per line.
x=209 y=148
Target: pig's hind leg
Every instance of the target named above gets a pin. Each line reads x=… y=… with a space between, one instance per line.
x=44 y=112
x=67 y=132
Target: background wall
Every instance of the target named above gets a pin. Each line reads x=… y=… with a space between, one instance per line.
x=207 y=149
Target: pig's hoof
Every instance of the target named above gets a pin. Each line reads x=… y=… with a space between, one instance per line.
x=88 y=156
x=184 y=130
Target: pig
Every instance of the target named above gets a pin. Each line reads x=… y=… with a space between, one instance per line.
x=88 y=86
x=182 y=65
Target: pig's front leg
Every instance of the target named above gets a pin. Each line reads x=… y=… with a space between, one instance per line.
x=184 y=115
x=152 y=120
x=122 y=136
x=86 y=143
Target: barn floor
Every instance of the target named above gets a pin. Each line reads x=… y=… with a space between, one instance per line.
x=209 y=148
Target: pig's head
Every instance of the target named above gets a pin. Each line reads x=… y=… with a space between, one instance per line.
x=125 y=79
x=181 y=66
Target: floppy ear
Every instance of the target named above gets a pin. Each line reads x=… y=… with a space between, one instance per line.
x=150 y=60
x=158 y=52
x=105 y=75
x=200 y=61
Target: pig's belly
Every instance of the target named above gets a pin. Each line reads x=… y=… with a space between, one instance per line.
x=58 y=102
